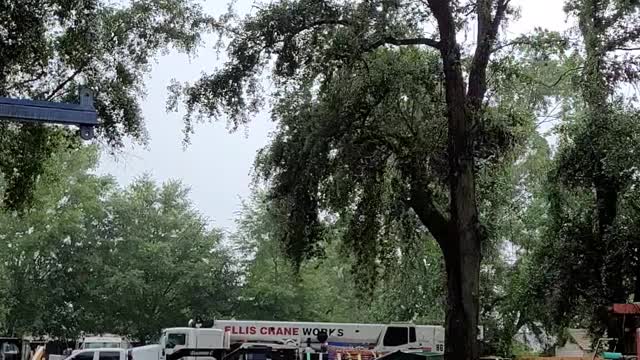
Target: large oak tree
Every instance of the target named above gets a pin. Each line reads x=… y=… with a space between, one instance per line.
x=336 y=148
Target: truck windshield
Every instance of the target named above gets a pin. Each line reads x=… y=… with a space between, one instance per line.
x=175 y=339
x=395 y=336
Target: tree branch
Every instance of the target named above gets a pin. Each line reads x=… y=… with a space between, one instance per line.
x=525 y=41
x=497 y=20
x=389 y=40
x=608 y=21
x=329 y=22
x=65 y=82
x=442 y=12
x=620 y=42
x=483 y=12
x=19 y=84
x=165 y=292
x=487 y=34
x=83 y=66
x=516 y=42
x=422 y=203
x=560 y=78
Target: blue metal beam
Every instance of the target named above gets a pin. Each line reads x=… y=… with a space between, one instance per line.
x=82 y=115
x=46 y=111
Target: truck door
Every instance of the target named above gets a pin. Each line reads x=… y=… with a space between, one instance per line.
x=85 y=355
x=172 y=341
x=413 y=341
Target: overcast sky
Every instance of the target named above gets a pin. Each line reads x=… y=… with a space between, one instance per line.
x=217 y=165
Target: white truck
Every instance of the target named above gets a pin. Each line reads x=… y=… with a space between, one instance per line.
x=380 y=338
x=278 y=340
x=185 y=343
x=99 y=354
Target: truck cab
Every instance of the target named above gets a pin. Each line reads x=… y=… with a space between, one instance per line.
x=189 y=343
x=410 y=337
x=427 y=339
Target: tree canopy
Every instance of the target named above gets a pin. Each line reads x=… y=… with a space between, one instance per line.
x=49 y=48
x=89 y=256
x=589 y=255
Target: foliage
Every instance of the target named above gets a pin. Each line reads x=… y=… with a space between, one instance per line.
x=516 y=214
x=270 y=289
x=91 y=257
x=324 y=289
x=39 y=249
x=364 y=130
x=587 y=255
x=411 y=282
x=50 y=48
x=163 y=265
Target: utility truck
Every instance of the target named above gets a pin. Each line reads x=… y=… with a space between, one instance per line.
x=260 y=340
x=278 y=340
x=380 y=338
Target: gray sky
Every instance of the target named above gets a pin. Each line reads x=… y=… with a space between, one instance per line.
x=217 y=164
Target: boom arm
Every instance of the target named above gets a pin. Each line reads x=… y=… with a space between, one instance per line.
x=83 y=115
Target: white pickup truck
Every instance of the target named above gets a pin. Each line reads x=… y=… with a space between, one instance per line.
x=101 y=354
x=104 y=341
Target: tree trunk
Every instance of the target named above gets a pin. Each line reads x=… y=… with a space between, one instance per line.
x=636 y=290
x=462 y=251
x=607 y=195
x=462 y=305
x=606 y=206
x=462 y=248
x=595 y=91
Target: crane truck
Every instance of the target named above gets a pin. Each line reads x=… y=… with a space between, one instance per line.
x=251 y=340
x=377 y=337
x=279 y=340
